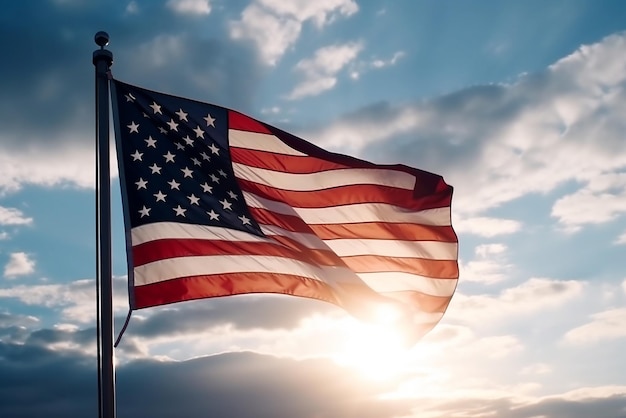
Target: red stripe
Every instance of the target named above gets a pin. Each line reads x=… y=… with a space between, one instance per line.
x=381 y=230
x=287 y=222
x=356 y=299
x=285 y=163
x=360 y=230
x=209 y=286
x=242 y=122
x=421 y=301
x=438 y=269
x=171 y=248
x=346 y=195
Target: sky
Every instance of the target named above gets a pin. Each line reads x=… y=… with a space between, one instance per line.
x=518 y=105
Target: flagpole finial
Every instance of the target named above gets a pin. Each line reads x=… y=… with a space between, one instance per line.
x=102 y=39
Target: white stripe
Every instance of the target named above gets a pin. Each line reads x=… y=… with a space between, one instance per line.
x=259 y=202
x=426 y=318
x=172 y=268
x=434 y=250
x=173 y=230
x=360 y=212
x=400 y=281
x=311 y=241
x=260 y=142
x=325 y=179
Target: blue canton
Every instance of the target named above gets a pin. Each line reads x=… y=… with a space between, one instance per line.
x=176 y=164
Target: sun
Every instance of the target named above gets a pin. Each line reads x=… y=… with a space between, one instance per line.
x=376 y=349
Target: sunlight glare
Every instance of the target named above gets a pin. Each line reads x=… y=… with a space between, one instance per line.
x=377 y=349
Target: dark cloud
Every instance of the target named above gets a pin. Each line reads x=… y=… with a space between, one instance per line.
x=610 y=407
x=46 y=336
x=46 y=76
x=453 y=127
x=36 y=381
x=243 y=312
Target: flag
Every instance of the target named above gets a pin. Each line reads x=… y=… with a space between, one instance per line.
x=217 y=203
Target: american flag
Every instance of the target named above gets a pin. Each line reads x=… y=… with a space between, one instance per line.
x=217 y=203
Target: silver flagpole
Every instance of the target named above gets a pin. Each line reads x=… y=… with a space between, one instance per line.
x=102 y=60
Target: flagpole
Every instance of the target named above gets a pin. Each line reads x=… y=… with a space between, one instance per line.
x=102 y=60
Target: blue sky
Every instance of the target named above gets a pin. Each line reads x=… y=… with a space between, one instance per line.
x=519 y=105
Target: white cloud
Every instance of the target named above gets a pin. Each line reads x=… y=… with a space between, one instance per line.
x=272 y=34
x=321 y=12
x=275 y=25
x=361 y=67
x=490 y=265
x=132 y=8
x=601 y=200
x=12 y=216
x=485 y=250
x=606 y=325
x=46 y=166
x=496 y=143
x=320 y=71
x=534 y=295
x=537 y=368
x=274 y=110
x=379 y=63
x=485 y=226
x=624 y=286
x=192 y=7
x=76 y=300
x=162 y=50
x=621 y=239
x=19 y=264
x=4 y=235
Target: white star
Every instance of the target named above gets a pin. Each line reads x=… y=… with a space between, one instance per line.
x=137 y=155
x=133 y=127
x=206 y=187
x=162 y=130
x=129 y=97
x=209 y=120
x=187 y=172
x=232 y=195
x=244 y=219
x=179 y=211
x=214 y=216
x=182 y=115
x=173 y=125
x=141 y=184
x=193 y=200
x=144 y=211
x=160 y=196
x=215 y=150
x=145 y=115
x=179 y=146
x=169 y=157
x=214 y=178
x=221 y=173
x=226 y=204
x=199 y=132
x=155 y=169
x=205 y=156
x=151 y=142
x=173 y=184
x=188 y=140
x=156 y=108
x=196 y=161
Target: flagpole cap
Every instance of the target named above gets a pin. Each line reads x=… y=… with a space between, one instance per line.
x=102 y=55
x=102 y=39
